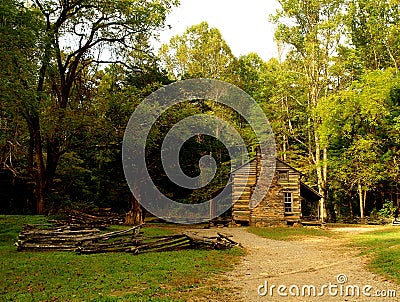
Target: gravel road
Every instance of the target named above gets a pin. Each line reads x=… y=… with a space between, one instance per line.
x=329 y=264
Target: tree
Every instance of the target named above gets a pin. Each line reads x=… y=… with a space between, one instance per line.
x=74 y=38
x=119 y=93
x=248 y=71
x=374 y=32
x=358 y=123
x=199 y=52
x=20 y=36
x=313 y=30
x=364 y=166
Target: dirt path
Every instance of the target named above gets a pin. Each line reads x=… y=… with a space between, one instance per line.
x=312 y=261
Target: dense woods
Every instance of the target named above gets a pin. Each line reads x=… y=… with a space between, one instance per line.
x=72 y=73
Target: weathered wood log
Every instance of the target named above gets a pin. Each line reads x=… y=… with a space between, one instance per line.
x=51 y=234
x=103 y=250
x=186 y=246
x=74 y=235
x=220 y=242
x=44 y=247
x=90 y=241
x=164 y=243
x=228 y=239
x=41 y=239
x=101 y=219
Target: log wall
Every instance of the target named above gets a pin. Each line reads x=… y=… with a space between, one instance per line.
x=241 y=200
x=271 y=210
x=291 y=185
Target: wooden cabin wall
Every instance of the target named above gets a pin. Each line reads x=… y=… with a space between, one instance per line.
x=240 y=208
x=292 y=185
x=270 y=211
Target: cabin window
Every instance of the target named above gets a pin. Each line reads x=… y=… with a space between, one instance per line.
x=288 y=200
x=283 y=175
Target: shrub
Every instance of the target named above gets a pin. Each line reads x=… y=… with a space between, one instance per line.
x=388 y=210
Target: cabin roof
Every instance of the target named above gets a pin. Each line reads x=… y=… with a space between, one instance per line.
x=306 y=191
x=309 y=193
x=240 y=167
x=277 y=159
x=289 y=166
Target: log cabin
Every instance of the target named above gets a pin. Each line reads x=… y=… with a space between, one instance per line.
x=288 y=200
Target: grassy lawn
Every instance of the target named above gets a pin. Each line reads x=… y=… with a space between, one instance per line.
x=383 y=247
x=66 y=276
x=289 y=233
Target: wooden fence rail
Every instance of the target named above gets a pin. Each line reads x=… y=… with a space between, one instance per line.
x=131 y=240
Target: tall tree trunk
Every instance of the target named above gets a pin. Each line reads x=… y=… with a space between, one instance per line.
x=324 y=179
x=361 y=199
x=36 y=166
x=135 y=214
x=364 y=199
x=40 y=178
x=52 y=159
x=321 y=174
x=284 y=147
x=351 y=208
x=285 y=143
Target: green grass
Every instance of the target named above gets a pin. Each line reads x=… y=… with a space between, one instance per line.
x=289 y=233
x=66 y=276
x=383 y=248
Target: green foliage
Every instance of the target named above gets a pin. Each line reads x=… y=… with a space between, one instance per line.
x=200 y=52
x=334 y=88
x=374 y=31
x=49 y=85
x=388 y=210
x=192 y=150
x=20 y=36
x=51 y=113
x=358 y=124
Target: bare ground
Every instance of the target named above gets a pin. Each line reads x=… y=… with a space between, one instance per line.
x=316 y=261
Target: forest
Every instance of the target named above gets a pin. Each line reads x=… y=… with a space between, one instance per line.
x=73 y=71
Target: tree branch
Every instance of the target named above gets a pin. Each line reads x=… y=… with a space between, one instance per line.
x=132 y=68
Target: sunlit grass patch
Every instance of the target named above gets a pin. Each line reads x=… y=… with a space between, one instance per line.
x=289 y=233
x=383 y=248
